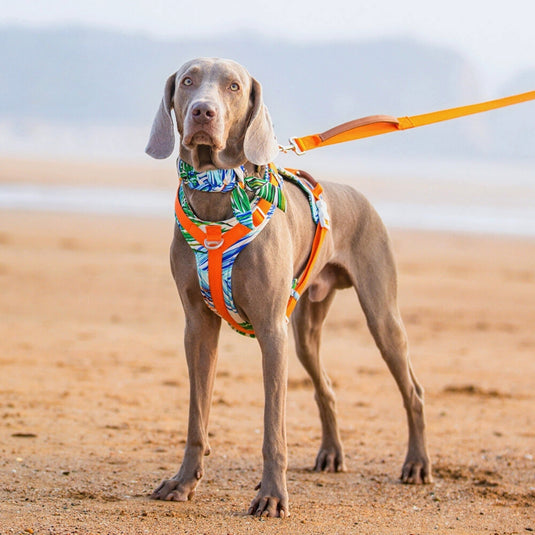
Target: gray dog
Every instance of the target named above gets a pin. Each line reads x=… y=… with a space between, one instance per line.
x=223 y=124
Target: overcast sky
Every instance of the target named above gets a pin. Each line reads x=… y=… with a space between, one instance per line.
x=499 y=37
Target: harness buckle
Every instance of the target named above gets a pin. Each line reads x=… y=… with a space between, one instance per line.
x=323 y=213
x=213 y=244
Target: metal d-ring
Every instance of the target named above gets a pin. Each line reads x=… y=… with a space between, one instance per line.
x=213 y=244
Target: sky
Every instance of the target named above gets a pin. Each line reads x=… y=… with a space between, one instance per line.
x=498 y=37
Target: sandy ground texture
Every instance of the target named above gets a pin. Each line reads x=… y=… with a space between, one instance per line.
x=94 y=392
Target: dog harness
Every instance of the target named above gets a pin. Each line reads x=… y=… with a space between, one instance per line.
x=216 y=244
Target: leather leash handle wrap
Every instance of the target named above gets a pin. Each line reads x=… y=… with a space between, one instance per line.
x=375 y=125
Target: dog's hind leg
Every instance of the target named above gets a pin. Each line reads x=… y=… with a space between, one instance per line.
x=375 y=277
x=307 y=321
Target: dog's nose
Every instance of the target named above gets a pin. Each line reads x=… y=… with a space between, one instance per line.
x=203 y=112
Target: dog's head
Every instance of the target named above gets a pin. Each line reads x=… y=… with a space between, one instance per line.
x=220 y=117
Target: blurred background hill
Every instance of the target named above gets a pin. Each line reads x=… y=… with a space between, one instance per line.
x=77 y=91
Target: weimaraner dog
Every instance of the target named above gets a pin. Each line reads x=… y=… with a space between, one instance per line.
x=223 y=124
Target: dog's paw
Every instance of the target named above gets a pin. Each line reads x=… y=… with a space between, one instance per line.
x=270 y=504
x=174 y=490
x=416 y=471
x=330 y=459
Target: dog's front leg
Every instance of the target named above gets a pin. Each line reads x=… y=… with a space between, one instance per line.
x=272 y=497
x=201 y=337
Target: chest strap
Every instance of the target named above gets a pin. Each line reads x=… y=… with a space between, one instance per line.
x=212 y=244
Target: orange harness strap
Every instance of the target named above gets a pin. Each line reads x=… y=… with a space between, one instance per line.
x=321 y=231
x=216 y=243
x=301 y=283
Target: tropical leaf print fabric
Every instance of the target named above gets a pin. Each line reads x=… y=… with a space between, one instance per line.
x=242 y=206
x=235 y=181
x=218 y=180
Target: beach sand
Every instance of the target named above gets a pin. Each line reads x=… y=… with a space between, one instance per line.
x=94 y=388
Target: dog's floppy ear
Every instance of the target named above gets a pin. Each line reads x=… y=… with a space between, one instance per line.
x=260 y=144
x=162 y=136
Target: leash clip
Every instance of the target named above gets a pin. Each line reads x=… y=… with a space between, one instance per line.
x=293 y=147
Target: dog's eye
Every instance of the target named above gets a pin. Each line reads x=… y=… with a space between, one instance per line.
x=187 y=81
x=234 y=86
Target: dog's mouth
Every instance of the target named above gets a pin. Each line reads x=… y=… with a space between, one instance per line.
x=203 y=150
x=202 y=158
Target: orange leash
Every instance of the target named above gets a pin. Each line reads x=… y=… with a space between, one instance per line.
x=375 y=125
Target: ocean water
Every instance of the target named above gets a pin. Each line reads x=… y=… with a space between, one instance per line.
x=87 y=200
x=492 y=206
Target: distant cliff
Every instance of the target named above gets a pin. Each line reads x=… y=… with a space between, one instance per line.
x=84 y=77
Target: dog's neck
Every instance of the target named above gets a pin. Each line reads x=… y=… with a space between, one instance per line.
x=209 y=192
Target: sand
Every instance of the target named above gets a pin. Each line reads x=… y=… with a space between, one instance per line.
x=94 y=390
